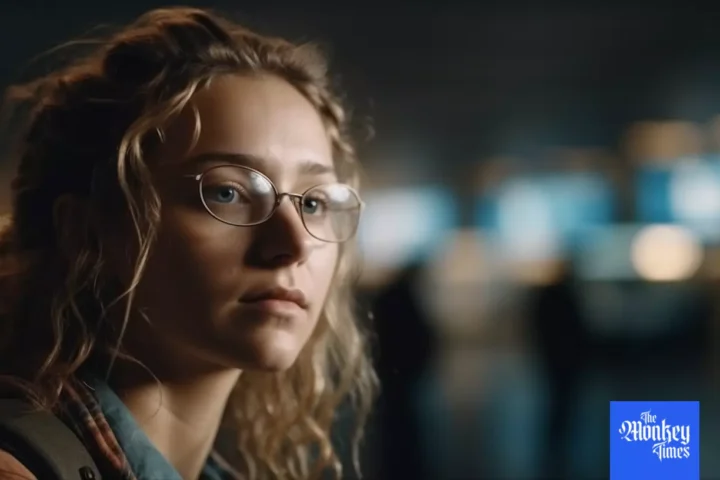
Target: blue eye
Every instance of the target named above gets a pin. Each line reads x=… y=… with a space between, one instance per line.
x=313 y=206
x=221 y=194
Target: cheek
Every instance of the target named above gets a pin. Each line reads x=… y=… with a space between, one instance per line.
x=195 y=263
x=322 y=266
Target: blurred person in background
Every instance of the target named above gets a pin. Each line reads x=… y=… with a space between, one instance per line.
x=407 y=345
x=180 y=252
x=561 y=342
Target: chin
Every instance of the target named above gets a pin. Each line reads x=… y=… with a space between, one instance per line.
x=271 y=355
x=273 y=364
x=267 y=347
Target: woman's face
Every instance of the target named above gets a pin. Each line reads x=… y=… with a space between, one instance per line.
x=201 y=286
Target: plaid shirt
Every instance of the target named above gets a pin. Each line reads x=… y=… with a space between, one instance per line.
x=119 y=447
x=81 y=411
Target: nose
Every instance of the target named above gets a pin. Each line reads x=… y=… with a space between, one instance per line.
x=283 y=240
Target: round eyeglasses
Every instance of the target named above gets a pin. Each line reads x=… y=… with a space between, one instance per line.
x=243 y=197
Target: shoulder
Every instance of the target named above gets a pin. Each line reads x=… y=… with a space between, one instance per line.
x=12 y=469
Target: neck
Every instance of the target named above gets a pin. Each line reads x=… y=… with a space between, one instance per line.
x=181 y=417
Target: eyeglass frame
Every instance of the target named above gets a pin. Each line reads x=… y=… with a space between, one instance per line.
x=295 y=198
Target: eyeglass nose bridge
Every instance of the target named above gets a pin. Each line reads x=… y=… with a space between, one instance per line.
x=295 y=198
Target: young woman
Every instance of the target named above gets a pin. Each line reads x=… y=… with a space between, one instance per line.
x=179 y=255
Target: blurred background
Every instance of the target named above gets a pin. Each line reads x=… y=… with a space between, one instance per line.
x=543 y=225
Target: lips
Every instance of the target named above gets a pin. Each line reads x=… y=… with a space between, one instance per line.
x=277 y=294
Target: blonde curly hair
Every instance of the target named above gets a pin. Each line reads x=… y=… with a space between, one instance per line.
x=90 y=127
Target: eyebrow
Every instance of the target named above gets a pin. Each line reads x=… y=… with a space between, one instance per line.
x=306 y=167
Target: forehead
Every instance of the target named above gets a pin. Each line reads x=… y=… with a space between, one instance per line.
x=259 y=117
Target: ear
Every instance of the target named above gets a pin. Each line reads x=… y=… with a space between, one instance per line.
x=72 y=222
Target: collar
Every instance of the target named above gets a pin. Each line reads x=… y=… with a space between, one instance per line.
x=114 y=438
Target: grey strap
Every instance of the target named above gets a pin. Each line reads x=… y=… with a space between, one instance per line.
x=39 y=436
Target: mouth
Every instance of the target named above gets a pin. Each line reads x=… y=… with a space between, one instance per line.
x=277 y=298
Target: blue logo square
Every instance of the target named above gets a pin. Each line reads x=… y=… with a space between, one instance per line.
x=658 y=440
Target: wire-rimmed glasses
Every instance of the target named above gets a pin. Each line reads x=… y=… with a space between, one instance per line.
x=243 y=197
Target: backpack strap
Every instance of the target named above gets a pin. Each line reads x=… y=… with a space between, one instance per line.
x=43 y=443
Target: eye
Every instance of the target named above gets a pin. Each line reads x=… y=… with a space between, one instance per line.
x=314 y=206
x=223 y=194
